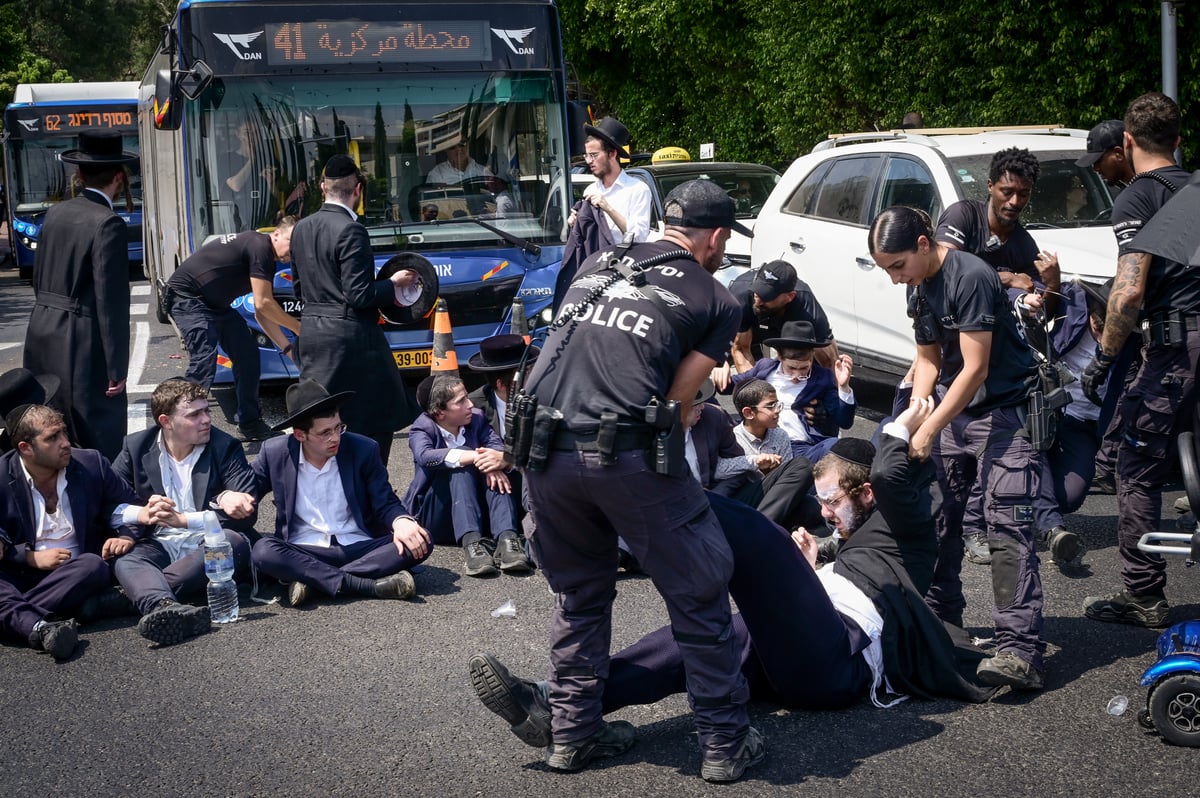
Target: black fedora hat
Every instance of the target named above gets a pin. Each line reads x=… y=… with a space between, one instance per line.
x=501 y=353
x=99 y=149
x=706 y=392
x=308 y=398
x=797 y=334
x=22 y=387
x=610 y=129
x=427 y=278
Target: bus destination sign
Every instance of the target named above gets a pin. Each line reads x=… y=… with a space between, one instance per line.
x=344 y=42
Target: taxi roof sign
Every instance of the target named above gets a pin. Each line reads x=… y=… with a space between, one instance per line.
x=670 y=155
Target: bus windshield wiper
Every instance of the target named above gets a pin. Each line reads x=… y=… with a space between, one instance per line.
x=530 y=249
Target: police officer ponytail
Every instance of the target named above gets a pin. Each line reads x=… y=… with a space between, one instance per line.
x=898 y=228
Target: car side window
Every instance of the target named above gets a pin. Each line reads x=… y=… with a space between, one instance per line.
x=839 y=193
x=908 y=182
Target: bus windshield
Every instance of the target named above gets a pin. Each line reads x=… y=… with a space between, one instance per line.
x=40 y=179
x=437 y=152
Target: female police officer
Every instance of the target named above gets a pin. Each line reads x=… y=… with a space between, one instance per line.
x=969 y=351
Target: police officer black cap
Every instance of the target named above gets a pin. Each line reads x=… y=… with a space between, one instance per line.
x=704 y=205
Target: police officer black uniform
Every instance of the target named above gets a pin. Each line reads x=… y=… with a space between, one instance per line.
x=616 y=349
x=1160 y=401
x=968 y=347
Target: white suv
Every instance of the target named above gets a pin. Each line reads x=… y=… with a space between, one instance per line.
x=818 y=216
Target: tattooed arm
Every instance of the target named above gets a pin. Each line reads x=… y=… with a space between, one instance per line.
x=1125 y=301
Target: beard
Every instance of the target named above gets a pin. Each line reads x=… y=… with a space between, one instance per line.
x=852 y=516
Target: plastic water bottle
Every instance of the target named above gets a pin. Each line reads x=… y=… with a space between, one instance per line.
x=218 y=566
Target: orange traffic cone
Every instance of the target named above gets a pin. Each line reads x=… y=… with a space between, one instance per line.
x=519 y=325
x=445 y=358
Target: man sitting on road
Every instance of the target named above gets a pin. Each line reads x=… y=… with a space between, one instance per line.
x=58 y=514
x=181 y=468
x=460 y=470
x=339 y=526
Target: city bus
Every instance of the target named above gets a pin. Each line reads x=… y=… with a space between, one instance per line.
x=43 y=121
x=245 y=101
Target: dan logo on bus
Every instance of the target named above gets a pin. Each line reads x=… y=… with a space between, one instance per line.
x=514 y=37
x=240 y=44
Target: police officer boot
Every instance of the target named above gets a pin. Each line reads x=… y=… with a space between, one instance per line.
x=524 y=705
x=611 y=739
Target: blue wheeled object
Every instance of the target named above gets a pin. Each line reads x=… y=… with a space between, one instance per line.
x=1173 y=702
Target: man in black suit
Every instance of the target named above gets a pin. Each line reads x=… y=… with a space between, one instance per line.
x=79 y=327
x=62 y=516
x=497 y=360
x=339 y=526
x=342 y=347
x=181 y=468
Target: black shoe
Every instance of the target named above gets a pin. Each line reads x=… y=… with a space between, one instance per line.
x=1066 y=547
x=56 y=638
x=627 y=562
x=976 y=548
x=720 y=766
x=1006 y=669
x=523 y=705
x=1150 y=610
x=298 y=594
x=108 y=603
x=397 y=586
x=1104 y=483
x=256 y=430
x=479 y=561
x=170 y=623
x=612 y=739
x=510 y=556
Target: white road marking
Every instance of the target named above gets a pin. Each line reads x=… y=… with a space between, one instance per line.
x=10 y=346
x=137 y=416
x=138 y=310
x=137 y=360
x=141 y=289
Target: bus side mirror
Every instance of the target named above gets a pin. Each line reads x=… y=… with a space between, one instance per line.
x=168 y=105
x=193 y=82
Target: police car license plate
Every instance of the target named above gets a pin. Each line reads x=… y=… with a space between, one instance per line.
x=413 y=358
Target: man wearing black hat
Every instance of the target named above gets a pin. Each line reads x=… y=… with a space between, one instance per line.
x=343 y=348
x=339 y=526
x=813 y=640
x=635 y=337
x=200 y=293
x=1106 y=153
x=498 y=359
x=79 y=327
x=1161 y=399
x=770 y=297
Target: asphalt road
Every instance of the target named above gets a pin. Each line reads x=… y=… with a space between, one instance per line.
x=371 y=697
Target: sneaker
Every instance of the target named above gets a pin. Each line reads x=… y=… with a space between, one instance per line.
x=612 y=739
x=56 y=638
x=479 y=561
x=170 y=623
x=1150 y=610
x=720 y=766
x=976 y=547
x=523 y=705
x=1183 y=505
x=256 y=430
x=1066 y=547
x=397 y=586
x=1006 y=669
x=108 y=603
x=510 y=556
x=298 y=594
x=1104 y=483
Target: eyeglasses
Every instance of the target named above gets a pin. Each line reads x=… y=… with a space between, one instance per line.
x=336 y=432
x=771 y=406
x=836 y=500
x=591 y=156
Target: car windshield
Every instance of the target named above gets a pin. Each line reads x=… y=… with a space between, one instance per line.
x=749 y=187
x=1066 y=195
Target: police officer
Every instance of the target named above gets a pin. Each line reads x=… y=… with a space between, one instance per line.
x=969 y=349
x=1161 y=400
x=617 y=347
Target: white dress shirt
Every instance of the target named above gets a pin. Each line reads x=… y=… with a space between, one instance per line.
x=631 y=198
x=54 y=530
x=322 y=509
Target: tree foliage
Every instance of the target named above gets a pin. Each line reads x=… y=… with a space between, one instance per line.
x=767 y=79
